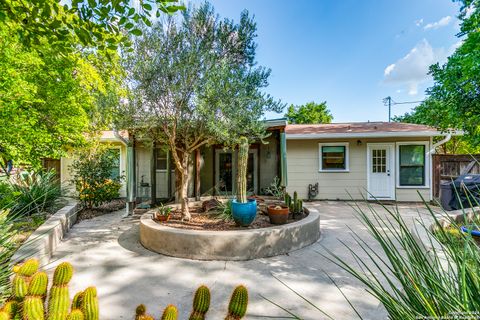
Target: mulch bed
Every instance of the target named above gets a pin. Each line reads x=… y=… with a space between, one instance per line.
x=111 y=206
x=203 y=221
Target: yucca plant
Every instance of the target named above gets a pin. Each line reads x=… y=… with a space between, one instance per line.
x=7 y=248
x=408 y=280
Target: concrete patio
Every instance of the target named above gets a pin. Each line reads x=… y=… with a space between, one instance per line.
x=105 y=252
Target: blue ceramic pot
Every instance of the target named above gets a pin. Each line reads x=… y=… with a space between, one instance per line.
x=244 y=213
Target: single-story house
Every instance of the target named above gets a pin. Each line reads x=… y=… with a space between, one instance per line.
x=377 y=160
x=373 y=160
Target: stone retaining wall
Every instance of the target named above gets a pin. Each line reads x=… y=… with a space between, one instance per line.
x=42 y=242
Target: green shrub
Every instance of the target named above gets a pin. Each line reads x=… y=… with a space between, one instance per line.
x=34 y=192
x=7 y=196
x=94 y=177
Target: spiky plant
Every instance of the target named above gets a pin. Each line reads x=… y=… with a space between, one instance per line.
x=237 y=308
x=242 y=170
x=201 y=303
x=170 y=313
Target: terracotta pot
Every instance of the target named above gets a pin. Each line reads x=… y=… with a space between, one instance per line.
x=162 y=218
x=277 y=216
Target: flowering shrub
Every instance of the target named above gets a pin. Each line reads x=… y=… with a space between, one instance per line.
x=95 y=176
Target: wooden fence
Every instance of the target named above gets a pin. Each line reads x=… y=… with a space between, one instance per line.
x=449 y=166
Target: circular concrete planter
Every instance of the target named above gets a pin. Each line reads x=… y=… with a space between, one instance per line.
x=229 y=245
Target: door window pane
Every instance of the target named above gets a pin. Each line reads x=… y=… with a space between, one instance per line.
x=162 y=159
x=379 y=160
x=412 y=165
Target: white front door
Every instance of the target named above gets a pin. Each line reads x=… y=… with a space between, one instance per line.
x=380 y=171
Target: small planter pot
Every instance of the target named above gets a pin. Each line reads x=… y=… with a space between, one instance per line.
x=244 y=213
x=162 y=218
x=277 y=214
x=475 y=233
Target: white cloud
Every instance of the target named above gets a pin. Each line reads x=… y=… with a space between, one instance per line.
x=411 y=70
x=445 y=21
x=419 y=22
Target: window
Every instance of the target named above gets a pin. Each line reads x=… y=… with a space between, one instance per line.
x=162 y=159
x=412 y=165
x=333 y=157
x=115 y=155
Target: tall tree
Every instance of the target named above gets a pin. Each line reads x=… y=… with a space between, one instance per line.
x=309 y=113
x=195 y=83
x=48 y=99
x=454 y=99
x=94 y=23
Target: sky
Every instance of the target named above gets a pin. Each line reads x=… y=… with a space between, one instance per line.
x=349 y=53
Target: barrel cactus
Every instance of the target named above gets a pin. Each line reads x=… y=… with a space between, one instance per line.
x=201 y=303
x=170 y=313
x=238 y=303
x=30 y=292
x=141 y=313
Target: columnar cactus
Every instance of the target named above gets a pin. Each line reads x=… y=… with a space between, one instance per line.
x=201 y=303
x=59 y=299
x=288 y=199
x=170 y=313
x=242 y=170
x=90 y=304
x=33 y=308
x=238 y=303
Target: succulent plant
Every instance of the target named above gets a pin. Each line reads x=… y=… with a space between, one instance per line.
x=238 y=303
x=170 y=313
x=201 y=303
x=90 y=304
x=30 y=291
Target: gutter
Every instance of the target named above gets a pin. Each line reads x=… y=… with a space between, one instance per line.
x=119 y=137
x=346 y=135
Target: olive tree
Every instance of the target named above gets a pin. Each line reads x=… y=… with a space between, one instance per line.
x=195 y=82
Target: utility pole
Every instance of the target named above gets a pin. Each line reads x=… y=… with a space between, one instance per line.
x=388 y=102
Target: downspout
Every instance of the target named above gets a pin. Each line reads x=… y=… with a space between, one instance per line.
x=130 y=172
x=439 y=143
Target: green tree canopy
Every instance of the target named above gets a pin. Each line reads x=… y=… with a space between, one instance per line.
x=196 y=82
x=454 y=99
x=48 y=100
x=100 y=24
x=309 y=113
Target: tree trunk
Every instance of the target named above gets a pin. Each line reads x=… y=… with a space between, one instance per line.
x=184 y=187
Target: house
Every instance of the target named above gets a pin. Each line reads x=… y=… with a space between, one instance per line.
x=151 y=173
x=377 y=160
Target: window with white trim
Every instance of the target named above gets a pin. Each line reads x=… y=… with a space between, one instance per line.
x=333 y=157
x=412 y=165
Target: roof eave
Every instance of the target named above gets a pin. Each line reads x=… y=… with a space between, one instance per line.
x=306 y=136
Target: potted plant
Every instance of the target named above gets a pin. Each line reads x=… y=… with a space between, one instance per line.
x=278 y=213
x=163 y=213
x=244 y=210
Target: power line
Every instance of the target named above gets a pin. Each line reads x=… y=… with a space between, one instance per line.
x=388 y=101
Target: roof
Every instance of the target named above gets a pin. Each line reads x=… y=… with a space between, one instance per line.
x=109 y=135
x=359 y=130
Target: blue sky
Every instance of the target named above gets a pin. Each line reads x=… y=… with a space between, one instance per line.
x=350 y=53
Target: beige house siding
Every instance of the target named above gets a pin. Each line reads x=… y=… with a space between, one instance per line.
x=303 y=169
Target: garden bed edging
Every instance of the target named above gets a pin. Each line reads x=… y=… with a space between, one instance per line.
x=41 y=244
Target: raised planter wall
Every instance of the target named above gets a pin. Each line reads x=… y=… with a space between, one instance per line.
x=42 y=242
x=229 y=245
